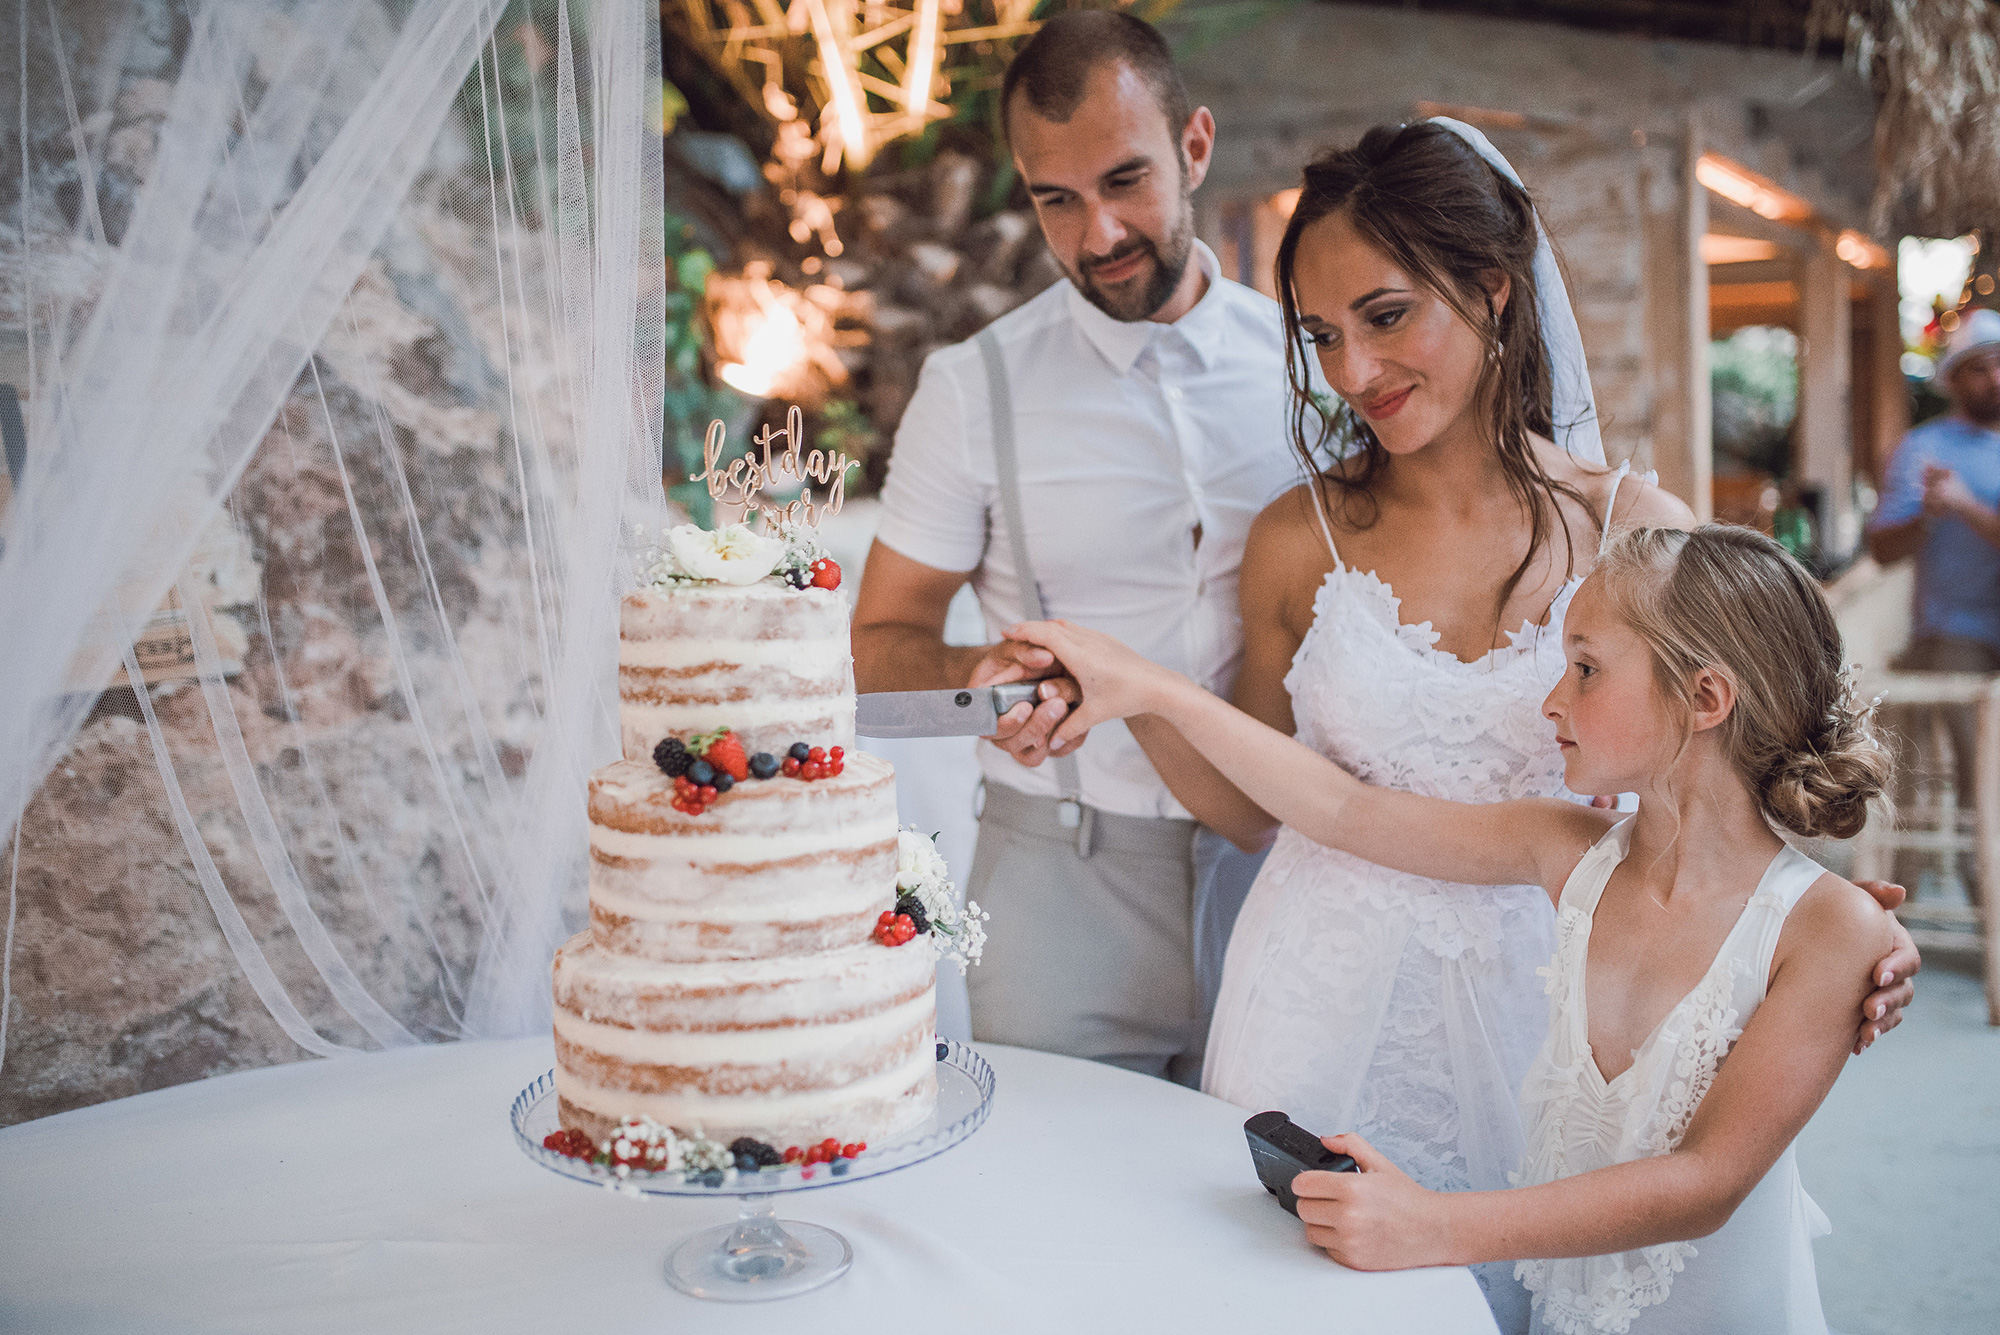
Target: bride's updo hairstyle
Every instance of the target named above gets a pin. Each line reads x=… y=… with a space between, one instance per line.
x=1731 y=599
x=1426 y=199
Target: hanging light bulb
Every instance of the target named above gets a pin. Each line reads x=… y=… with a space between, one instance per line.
x=923 y=61
x=841 y=82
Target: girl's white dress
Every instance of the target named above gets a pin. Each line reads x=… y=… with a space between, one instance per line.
x=1356 y=998
x=1755 y=1275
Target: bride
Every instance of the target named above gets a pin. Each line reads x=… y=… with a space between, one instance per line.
x=1402 y=614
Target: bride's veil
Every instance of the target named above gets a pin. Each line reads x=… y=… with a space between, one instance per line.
x=331 y=358
x=1575 y=406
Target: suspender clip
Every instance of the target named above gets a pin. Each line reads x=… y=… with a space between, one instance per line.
x=1074 y=815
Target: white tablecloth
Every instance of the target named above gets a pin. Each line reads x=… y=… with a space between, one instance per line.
x=385 y=1193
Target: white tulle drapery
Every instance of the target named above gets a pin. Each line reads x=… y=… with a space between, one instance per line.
x=336 y=328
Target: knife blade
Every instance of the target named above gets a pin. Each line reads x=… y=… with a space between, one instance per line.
x=972 y=712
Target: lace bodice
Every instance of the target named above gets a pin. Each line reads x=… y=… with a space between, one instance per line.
x=1578 y=1121
x=1359 y=998
x=1378 y=697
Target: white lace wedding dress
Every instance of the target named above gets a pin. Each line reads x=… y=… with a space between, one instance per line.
x=1356 y=998
x=1754 y=1275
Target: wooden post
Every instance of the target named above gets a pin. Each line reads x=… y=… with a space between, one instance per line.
x=1825 y=448
x=1892 y=393
x=1674 y=214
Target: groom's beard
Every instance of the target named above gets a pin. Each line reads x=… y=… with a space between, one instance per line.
x=1138 y=297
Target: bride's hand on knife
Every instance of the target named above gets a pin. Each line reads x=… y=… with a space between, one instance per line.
x=1116 y=682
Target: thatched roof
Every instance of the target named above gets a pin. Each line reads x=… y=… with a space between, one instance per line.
x=1935 y=65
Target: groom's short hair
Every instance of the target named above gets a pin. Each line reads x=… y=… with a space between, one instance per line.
x=1052 y=70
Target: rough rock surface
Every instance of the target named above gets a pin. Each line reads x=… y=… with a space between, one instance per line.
x=122 y=980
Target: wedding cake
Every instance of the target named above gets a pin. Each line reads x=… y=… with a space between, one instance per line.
x=752 y=968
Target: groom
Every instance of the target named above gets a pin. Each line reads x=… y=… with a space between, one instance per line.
x=1143 y=401
x=1115 y=436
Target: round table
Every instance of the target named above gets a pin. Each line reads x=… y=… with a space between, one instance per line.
x=385 y=1193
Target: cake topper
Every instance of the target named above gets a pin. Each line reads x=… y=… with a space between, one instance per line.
x=743 y=481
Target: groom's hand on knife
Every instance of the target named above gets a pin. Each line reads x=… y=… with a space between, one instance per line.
x=1024 y=731
x=898 y=641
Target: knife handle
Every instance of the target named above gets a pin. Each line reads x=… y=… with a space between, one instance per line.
x=1013 y=693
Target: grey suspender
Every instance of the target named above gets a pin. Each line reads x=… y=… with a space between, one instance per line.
x=1007 y=476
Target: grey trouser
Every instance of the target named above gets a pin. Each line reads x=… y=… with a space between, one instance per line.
x=1090 y=957
x=1223 y=876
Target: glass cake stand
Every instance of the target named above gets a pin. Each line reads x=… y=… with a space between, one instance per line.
x=761 y=1256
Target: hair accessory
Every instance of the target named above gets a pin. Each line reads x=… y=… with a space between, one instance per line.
x=1574 y=407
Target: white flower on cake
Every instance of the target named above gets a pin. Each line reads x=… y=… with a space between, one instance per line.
x=957 y=934
x=733 y=555
x=918 y=862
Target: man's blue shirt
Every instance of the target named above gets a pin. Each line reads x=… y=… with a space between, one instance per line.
x=1958 y=572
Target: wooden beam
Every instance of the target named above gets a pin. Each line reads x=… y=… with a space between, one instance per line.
x=1673 y=217
x=1734 y=220
x=1825 y=438
x=1753 y=271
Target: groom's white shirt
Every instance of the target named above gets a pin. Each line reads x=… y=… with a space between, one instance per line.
x=1128 y=435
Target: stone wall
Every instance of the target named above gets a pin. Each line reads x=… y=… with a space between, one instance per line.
x=121 y=978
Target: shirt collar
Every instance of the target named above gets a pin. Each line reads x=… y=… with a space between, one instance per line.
x=1122 y=342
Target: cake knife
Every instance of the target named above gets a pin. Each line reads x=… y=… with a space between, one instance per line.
x=972 y=712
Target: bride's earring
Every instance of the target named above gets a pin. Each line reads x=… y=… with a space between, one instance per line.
x=1497 y=351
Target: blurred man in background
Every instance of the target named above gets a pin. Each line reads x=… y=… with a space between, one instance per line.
x=1941 y=504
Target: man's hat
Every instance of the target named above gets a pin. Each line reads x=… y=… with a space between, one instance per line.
x=1977 y=329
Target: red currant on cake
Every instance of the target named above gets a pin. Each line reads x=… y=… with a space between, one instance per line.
x=825 y=573
x=895 y=929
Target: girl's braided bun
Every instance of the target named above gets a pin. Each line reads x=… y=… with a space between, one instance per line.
x=1731 y=599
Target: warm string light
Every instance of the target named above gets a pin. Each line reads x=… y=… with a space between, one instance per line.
x=922 y=62
x=1860 y=251
x=774 y=341
x=837 y=67
x=843 y=41
x=1741 y=186
x=1717 y=248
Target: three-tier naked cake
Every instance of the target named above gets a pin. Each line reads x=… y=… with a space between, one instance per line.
x=743 y=974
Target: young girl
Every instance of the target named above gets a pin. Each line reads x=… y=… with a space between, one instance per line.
x=1704 y=674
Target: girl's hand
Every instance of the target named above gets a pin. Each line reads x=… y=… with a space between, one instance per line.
x=1116 y=682
x=1376 y=1219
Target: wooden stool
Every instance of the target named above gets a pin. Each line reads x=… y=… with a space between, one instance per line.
x=1948 y=926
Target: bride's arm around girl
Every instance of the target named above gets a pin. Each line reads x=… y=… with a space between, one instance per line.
x=1704 y=674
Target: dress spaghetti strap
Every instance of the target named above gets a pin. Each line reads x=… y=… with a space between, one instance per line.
x=1319 y=513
